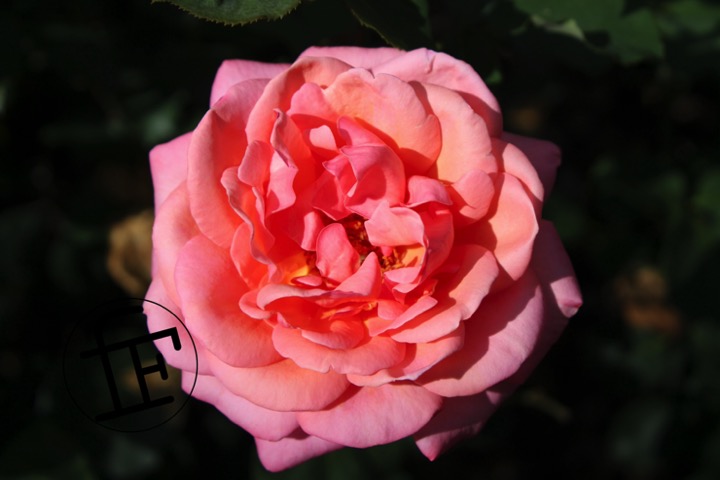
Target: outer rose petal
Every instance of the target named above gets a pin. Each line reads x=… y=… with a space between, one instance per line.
x=219 y=132
x=209 y=288
x=369 y=416
x=236 y=71
x=426 y=66
x=498 y=338
x=355 y=56
x=183 y=359
x=173 y=228
x=259 y=422
x=282 y=386
x=544 y=156
x=168 y=165
x=461 y=417
x=292 y=450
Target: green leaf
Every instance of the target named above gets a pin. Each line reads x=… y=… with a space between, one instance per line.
x=635 y=37
x=588 y=14
x=401 y=23
x=236 y=12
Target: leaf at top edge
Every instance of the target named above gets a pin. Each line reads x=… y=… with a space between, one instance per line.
x=401 y=23
x=235 y=12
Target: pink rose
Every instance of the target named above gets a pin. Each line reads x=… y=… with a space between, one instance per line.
x=356 y=247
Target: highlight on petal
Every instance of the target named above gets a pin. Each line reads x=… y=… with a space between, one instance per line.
x=369 y=416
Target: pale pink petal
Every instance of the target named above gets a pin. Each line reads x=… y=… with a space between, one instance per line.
x=365 y=358
x=219 y=143
x=544 y=155
x=426 y=66
x=460 y=418
x=236 y=71
x=173 y=228
x=209 y=289
x=259 y=422
x=369 y=416
x=190 y=357
x=336 y=257
x=168 y=166
x=355 y=56
x=390 y=109
x=459 y=294
x=499 y=337
x=292 y=450
x=281 y=386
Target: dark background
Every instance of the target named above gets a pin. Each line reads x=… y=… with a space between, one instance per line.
x=631 y=95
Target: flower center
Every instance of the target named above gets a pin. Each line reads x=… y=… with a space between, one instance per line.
x=355 y=228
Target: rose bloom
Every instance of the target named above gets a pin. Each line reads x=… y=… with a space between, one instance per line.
x=356 y=248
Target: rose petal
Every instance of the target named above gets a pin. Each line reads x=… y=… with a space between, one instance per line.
x=221 y=131
x=259 y=422
x=369 y=416
x=498 y=339
x=292 y=450
x=281 y=386
x=280 y=90
x=436 y=68
x=232 y=72
x=460 y=418
x=466 y=143
x=380 y=177
x=190 y=357
x=543 y=155
x=391 y=110
x=365 y=358
x=509 y=229
x=458 y=296
x=173 y=228
x=419 y=357
x=355 y=56
x=168 y=166
x=515 y=163
x=209 y=288
x=336 y=257
x=472 y=197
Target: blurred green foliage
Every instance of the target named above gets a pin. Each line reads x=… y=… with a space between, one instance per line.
x=630 y=91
